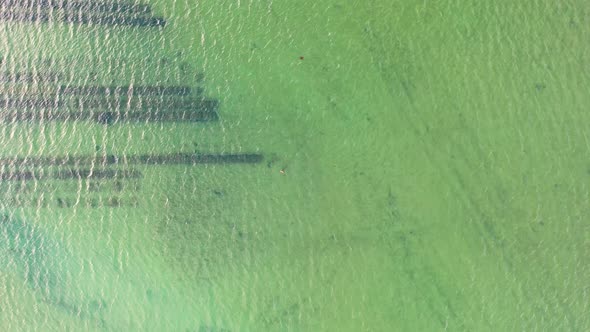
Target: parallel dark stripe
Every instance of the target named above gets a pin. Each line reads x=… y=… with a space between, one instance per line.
x=79 y=18
x=98 y=93
x=10 y=104
x=108 y=117
x=124 y=90
x=146 y=159
x=163 y=105
x=69 y=174
x=75 y=5
x=153 y=104
x=28 y=77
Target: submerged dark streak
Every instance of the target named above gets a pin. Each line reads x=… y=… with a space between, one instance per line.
x=30 y=77
x=147 y=159
x=48 y=99
x=143 y=103
x=68 y=174
x=80 y=18
x=132 y=90
x=75 y=5
x=108 y=117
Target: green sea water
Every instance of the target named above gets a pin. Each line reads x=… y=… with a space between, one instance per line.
x=426 y=168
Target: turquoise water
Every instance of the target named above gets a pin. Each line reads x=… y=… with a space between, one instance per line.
x=424 y=168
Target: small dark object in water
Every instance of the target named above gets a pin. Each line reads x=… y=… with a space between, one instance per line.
x=106 y=118
x=540 y=86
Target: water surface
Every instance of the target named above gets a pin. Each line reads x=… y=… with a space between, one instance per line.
x=296 y=166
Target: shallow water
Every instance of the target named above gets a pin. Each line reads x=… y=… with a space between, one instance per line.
x=295 y=166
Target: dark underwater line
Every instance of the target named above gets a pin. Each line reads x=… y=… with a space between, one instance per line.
x=55 y=102
x=68 y=174
x=108 y=117
x=143 y=159
x=79 y=18
x=75 y=5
